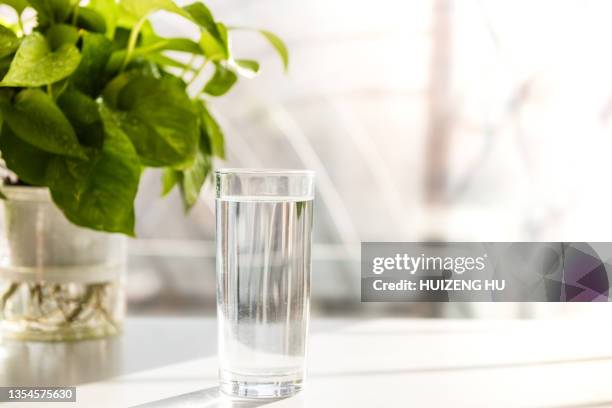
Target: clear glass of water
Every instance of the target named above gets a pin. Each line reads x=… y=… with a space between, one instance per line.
x=264 y=224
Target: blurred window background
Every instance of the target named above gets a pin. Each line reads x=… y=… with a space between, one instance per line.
x=477 y=120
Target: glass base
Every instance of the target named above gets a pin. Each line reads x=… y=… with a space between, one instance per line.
x=258 y=386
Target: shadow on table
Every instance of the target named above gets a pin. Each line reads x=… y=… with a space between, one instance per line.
x=146 y=344
x=209 y=398
x=596 y=404
x=461 y=368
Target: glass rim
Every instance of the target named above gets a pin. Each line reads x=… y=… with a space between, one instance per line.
x=264 y=172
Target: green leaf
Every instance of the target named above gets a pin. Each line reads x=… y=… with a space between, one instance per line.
x=60 y=34
x=84 y=116
x=95 y=193
x=91 y=20
x=29 y=163
x=17 y=5
x=153 y=49
x=158 y=117
x=8 y=42
x=181 y=44
x=37 y=120
x=139 y=9
x=36 y=65
x=6 y=95
x=121 y=38
x=215 y=137
x=214 y=38
x=113 y=89
x=193 y=179
x=5 y=63
x=169 y=179
x=278 y=45
x=248 y=68
x=89 y=76
x=99 y=193
x=221 y=82
x=275 y=41
x=202 y=16
x=167 y=62
x=109 y=10
x=215 y=47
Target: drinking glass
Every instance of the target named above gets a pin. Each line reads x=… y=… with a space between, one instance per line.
x=264 y=225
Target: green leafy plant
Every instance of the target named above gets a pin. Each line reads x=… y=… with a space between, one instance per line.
x=92 y=95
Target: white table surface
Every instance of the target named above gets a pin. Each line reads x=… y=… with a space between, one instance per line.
x=171 y=362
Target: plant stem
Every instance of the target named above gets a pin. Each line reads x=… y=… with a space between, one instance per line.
x=197 y=73
x=61 y=88
x=132 y=42
x=100 y=307
x=7 y=295
x=35 y=299
x=59 y=299
x=20 y=21
x=75 y=14
x=188 y=65
x=84 y=301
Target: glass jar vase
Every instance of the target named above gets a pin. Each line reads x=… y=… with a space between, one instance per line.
x=58 y=281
